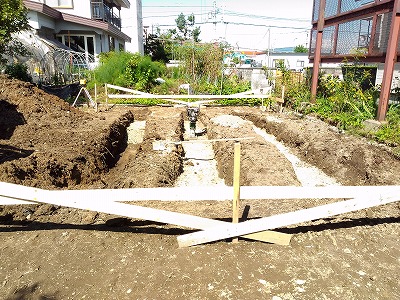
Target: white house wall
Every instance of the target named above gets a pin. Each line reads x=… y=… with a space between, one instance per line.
x=132 y=25
x=395 y=78
x=292 y=60
x=37 y=21
x=81 y=8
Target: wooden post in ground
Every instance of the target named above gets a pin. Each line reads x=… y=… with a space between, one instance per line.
x=95 y=97
x=282 y=100
x=236 y=186
x=105 y=90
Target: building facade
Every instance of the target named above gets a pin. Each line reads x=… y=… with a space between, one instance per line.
x=68 y=35
x=85 y=25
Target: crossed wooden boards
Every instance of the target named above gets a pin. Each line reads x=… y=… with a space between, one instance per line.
x=108 y=201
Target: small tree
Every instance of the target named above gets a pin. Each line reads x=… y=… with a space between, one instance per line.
x=13 y=19
x=141 y=72
x=300 y=49
x=186 y=29
x=155 y=48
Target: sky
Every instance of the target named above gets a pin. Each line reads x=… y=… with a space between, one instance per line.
x=251 y=24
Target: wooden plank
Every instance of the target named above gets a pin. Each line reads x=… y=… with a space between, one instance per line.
x=186 y=103
x=224 y=193
x=217 y=193
x=21 y=192
x=268 y=236
x=291 y=218
x=150 y=96
x=36 y=196
x=13 y=201
x=116 y=87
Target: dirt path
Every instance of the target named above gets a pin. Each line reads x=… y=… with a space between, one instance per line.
x=200 y=166
x=49 y=252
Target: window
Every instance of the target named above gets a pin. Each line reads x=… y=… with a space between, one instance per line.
x=90 y=44
x=76 y=42
x=79 y=43
x=300 y=63
x=121 y=47
x=60 y=3
x=111 y=43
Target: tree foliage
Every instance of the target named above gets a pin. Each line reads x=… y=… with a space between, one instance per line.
x=112 y=67
x=300 y=49
x=155 y=47
x=185 y=29
x=13 y=19
x=201 y=60
x=141 y=72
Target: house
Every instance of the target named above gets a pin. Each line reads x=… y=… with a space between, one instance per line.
x=292 y=61
x=71 y=34
x=85 y=25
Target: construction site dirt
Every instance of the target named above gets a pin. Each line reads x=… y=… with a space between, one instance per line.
x=56 y=252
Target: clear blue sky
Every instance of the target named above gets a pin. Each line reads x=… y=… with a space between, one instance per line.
x=249 y=24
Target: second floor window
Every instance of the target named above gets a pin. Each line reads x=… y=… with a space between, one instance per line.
x=60 y=3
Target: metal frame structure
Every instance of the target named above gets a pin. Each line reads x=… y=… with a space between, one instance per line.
x=356 y=30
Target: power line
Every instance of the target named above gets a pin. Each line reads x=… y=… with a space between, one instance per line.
x=241 y=24
x=201 y=6
x=258 y=25
x=171 y=16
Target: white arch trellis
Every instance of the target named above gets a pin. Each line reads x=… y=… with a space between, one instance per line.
x=53 y=62
x=66 y=65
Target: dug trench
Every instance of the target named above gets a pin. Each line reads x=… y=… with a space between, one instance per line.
x=62 y=253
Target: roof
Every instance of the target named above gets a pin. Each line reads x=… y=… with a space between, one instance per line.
x=123 y=3
x=55 y=14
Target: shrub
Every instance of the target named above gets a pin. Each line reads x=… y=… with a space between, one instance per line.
x=112 y=68
x=141 y=72
x=19 y=71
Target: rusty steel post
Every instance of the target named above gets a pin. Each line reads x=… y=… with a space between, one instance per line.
x=391 y=58
x=318 y=47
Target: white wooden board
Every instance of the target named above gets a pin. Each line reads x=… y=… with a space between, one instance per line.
x=35 y=196
x=217 y=193
x=291 y=218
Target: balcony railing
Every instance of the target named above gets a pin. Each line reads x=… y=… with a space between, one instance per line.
x=100 y=11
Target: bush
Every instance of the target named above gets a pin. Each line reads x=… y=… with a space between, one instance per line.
x=141 y=72
x=112 y=68
x=390 y=133
x=18 y=71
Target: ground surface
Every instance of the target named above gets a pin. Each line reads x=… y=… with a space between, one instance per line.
x=49 y=252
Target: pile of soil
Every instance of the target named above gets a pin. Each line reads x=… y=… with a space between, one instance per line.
x=50 y=252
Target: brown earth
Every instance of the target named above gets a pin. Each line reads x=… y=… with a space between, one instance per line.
x=51 y=252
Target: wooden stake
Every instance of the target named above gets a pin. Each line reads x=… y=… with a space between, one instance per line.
x=283 y=99
x=236 y=186
x=105 y=88
x=95 y=97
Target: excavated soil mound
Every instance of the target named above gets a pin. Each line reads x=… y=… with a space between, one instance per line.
x=48 y=144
